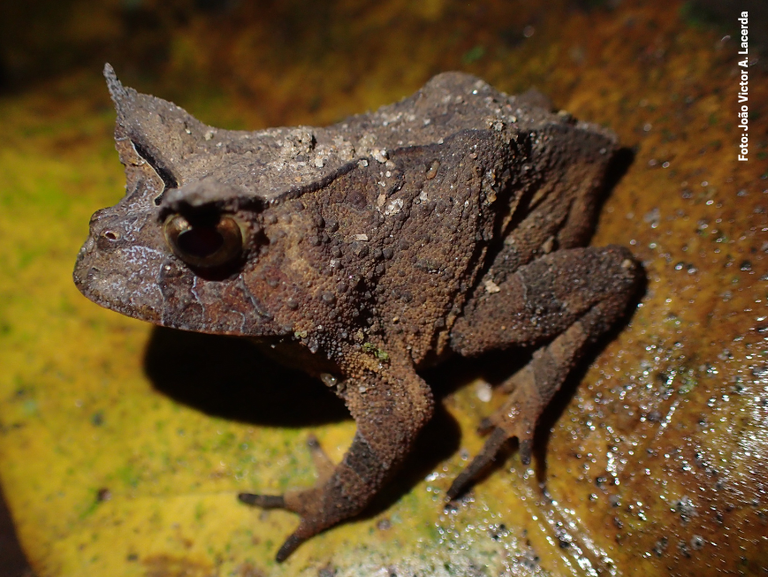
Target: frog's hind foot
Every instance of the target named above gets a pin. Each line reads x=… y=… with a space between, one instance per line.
x=302 y=502
x=481 y=461
x=516 y=419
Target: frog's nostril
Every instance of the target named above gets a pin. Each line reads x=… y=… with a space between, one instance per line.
x=111 y=235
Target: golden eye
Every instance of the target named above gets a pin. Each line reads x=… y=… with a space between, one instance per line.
x=207 y=245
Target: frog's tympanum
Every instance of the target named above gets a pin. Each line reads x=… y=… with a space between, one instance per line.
x=454 y=221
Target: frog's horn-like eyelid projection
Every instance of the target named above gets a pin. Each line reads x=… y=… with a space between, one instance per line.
x=158 y=130
x=116 y=89
x=183 y=150
x=140 y=114
x=207 y=194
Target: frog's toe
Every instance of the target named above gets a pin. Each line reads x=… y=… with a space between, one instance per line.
x=307 y=503
x=496 y=440
x=306 y=527
x=526 y=449
x=488 y=454
x=263 y=501
x=516 y=419
x=290 y=545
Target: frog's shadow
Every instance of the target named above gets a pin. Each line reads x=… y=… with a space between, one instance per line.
x=228 y=377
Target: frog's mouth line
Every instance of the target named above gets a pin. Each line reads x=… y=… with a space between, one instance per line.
x=155 y=286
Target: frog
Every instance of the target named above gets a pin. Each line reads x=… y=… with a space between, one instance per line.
x=456 y=221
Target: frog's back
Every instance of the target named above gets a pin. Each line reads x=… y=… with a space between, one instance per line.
x=505 y=181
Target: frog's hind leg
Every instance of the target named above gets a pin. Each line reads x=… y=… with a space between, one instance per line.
x=390 y=404
x=530 y=389
x=572 y=295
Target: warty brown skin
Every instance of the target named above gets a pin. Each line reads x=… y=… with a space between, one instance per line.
x=451 y=221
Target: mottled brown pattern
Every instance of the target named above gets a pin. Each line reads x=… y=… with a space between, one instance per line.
x=448 y=222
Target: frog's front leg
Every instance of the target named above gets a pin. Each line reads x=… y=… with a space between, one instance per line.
x=390 y=404
x=561 y=302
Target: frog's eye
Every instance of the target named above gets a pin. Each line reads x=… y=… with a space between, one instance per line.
x=205 y=244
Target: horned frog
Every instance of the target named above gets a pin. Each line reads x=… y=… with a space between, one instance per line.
x=454 y=221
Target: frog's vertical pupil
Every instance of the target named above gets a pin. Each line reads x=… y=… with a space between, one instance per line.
x=201 y=242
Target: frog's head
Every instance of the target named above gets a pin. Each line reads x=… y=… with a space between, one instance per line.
x=186 y=246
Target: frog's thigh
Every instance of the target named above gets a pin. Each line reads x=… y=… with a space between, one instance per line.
x=544 y=298
x=568 y=298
